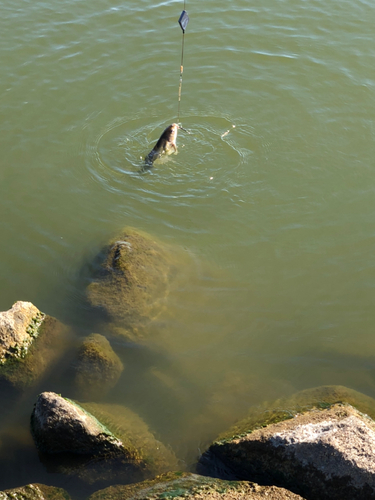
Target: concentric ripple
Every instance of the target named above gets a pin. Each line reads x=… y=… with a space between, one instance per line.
x=212 y=144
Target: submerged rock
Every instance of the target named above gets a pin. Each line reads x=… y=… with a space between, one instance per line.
x=97 y=443
x=313 y=446
x=134 y=278
x=30 y=342
x=34 y=492
x=191 y=486
x=97 y=368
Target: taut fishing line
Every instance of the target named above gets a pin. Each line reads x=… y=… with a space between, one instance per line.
x=183 y=22
x=167 y=140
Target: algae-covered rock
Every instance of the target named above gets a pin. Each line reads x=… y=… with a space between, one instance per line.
x=191 y=486
x=251 y=450
x=97 y=367
x=34 y=492
x=96 y=443
x=325 y=454
x=30 y=342
x=134 y=278
x=18 y=328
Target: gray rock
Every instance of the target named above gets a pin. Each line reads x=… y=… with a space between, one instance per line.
x=189 y=486
x=60 y=425
x=100 y=444
x=30 y=342
x=97 y=368
x=34 y=492
x=321 y=454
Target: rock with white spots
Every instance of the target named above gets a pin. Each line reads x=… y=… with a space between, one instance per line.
x=319 y=454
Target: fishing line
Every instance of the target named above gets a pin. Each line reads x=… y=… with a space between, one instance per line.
x=183 y=22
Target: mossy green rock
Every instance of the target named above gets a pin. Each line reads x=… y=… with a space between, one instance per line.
x=134 y=278
x=34 y=492
x=30 y=342
x=97 y=368
x=312 y=457
x=323 y=454
x=185 y=485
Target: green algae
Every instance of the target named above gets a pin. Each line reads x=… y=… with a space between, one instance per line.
x=105 y=431
x=20 y=350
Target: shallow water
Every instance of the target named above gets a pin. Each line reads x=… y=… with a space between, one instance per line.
x=277 y=214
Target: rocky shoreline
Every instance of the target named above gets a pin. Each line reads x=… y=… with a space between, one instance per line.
x=317 y=445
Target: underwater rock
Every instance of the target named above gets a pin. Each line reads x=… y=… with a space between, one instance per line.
x=313 y=443
x=97 y=368
x=185 y=485
x=134 y=277
x=34 y=492
x=30 y=342
x=97 y=443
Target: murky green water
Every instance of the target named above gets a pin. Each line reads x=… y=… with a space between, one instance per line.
x=278 y=213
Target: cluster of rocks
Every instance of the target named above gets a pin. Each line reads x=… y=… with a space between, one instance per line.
x=317 y=445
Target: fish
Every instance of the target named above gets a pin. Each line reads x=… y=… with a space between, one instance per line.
x=165 y=144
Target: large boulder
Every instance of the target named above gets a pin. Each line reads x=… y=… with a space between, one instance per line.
x=59 y=425
x=191 y=486
x=30 y=342
x=133 y=278
x=97 y=443
x=317 y=447
x=97 y=368
x=34 y=492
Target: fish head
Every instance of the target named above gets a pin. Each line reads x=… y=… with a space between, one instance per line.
x=173 y=133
